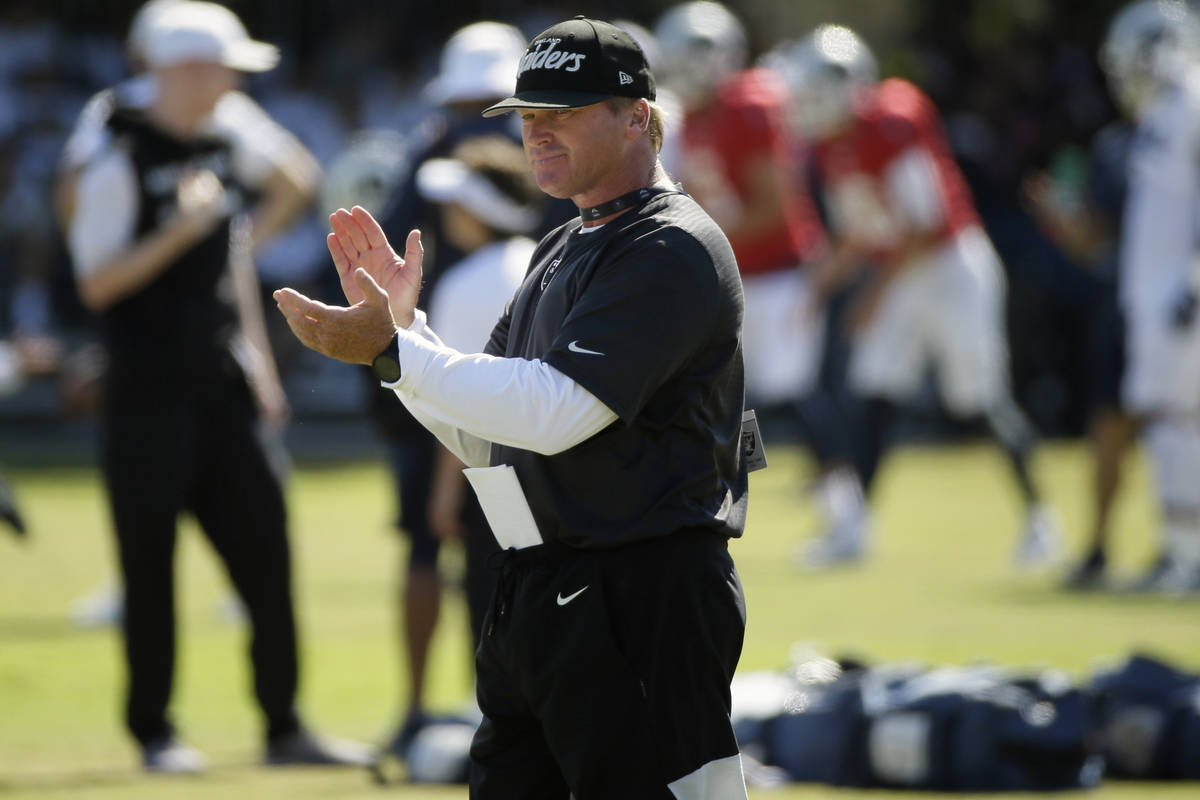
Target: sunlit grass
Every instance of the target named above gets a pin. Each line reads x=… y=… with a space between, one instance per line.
x=939 y=589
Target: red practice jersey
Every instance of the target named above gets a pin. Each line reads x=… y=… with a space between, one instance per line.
x=746 y=122
x=891 y=167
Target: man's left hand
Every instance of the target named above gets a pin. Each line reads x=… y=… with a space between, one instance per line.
x=355 y=334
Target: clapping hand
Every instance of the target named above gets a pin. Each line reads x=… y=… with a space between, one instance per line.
x=357 y=240
x=380 y=286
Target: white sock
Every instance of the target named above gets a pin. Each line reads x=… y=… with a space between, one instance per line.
x=1181 y=541
x=842 y=496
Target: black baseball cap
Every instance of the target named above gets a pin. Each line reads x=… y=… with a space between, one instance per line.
x=577 y=63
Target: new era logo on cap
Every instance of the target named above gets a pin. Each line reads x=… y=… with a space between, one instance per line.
x=577 y=63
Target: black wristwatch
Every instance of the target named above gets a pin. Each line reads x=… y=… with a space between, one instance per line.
x=386 y=365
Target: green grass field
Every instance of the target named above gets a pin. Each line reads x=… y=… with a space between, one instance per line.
x=939 y=590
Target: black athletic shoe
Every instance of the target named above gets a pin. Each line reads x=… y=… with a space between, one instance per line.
x=1087 y=575
x=304 y=748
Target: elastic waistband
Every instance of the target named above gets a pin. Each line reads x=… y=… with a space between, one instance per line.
x=555 y=552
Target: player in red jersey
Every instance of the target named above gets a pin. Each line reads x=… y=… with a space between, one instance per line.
x=740 y=160
x=897 y=201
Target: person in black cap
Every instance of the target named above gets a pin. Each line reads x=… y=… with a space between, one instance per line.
x=602 y=424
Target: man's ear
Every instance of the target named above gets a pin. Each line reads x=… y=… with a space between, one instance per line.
x=639 y=118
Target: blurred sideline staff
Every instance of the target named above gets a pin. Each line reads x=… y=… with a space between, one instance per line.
x=160 y=241
x=284 y=176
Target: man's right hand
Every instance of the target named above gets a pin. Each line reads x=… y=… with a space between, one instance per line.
x=357 y=241
x=201 y=201
x=355 y=334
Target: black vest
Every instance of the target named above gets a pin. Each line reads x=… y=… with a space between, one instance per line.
x=176 y=330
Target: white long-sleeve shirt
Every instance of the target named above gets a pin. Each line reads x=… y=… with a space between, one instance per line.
x=469 y=401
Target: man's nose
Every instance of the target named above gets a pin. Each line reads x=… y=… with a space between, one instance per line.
x=536 y=131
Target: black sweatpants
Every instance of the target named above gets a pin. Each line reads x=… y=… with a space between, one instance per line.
x=197 y=451
x=605 y=673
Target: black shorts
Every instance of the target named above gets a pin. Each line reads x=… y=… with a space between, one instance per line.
x=605 y=673
x=412 y=461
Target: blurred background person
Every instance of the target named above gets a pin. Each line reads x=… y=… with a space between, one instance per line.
x=160 y=239
x=897 y=203
x=283 y=175
x=1078 y=202
x=739 y=160
x=1152 y=55
x=477 y=67
x=488 y=204
x=476 y=64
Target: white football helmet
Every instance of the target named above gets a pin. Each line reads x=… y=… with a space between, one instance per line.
x=1149 y=43
x=700 y=44
x=825 y=70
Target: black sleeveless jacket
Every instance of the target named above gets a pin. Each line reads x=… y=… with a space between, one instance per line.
x=174 y=332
